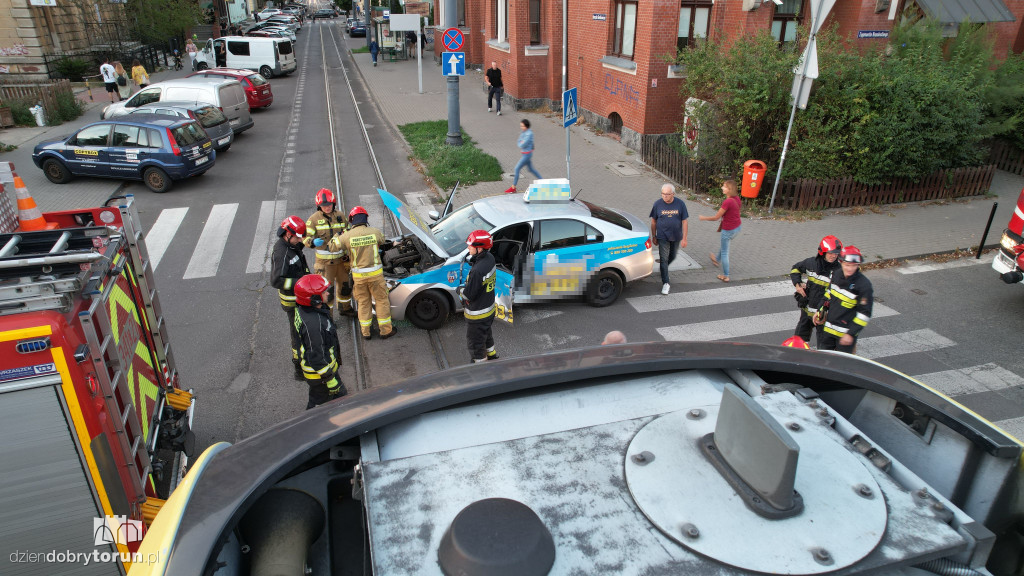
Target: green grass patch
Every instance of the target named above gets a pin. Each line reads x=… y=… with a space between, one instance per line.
x=360 y=50
x=448 y=164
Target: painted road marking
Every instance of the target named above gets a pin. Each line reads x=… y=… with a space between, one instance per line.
x=747 y=326
x=271 y=215
x=160 y=235
x=210 y=247
x=875 y=347
x=958 y=263
x=713 y=296
x=984 y=378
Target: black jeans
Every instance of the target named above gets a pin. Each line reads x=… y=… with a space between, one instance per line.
x=805 y=326
x=830 y=342
x=667 y=250
x=479 y=337
x=491 y=92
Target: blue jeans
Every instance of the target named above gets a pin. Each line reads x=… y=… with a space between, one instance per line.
x=723 y=252
x=667 y=250
x=526 y=160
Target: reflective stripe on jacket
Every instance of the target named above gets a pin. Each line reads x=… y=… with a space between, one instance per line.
x=850 y=301
x=320 y=354
x=819 y=272
x=362 y=244
x=287 y=265
x=479 y=291
x=324 y=227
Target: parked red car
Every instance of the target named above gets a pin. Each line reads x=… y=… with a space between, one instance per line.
x=257 y=88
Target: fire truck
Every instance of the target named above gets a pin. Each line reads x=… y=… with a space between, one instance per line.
x=1009 y=260
x=96 y=429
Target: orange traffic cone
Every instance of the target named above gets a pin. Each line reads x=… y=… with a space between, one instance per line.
x=30 y=216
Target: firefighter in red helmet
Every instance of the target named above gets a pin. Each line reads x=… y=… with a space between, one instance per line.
x=478 y=297
x=811 y=294
x=324 y=224
x=287 y=265
x=320 y=353
x=849 y=300
x=363 y=243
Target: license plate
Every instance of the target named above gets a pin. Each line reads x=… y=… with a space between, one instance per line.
x=201 y=160
x=265 y=92
x=224 y=140
x=235 y=121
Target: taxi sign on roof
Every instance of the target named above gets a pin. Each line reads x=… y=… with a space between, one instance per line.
x=548 y=190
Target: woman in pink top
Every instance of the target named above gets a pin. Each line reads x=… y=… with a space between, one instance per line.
x=729 y=214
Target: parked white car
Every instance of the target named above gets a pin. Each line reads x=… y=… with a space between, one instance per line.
x=268 y=56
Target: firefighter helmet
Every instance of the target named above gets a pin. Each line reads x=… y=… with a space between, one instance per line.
x=293 y=224
x=309 y=288
x=851 y=254
x=829 y=244
x=324 y=196
x=796 y=342
x=480 y=239
x=357 y=211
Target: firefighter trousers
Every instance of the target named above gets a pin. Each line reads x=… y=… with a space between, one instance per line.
x=336 y=271
x=480 y=339
x=368 y=291
x=829 y=342
x=293 y=332
x=805 y=327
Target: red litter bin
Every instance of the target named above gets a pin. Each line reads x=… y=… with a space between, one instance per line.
x=753 y=174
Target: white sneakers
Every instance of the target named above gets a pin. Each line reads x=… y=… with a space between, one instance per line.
x=664 y=288
x=499 y=112
x=488 y=109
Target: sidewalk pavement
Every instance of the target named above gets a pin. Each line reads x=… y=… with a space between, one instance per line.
x=612 y=175
x=80 y=191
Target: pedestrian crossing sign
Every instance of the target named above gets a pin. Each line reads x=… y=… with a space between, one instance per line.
x=569 y=108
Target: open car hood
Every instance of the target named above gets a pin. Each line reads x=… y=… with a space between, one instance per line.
x=412 y=222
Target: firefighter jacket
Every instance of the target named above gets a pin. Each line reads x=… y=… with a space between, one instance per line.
x=849 y=304
x=362 y=244
x=479 y=291
x=287 y=265
x=320 y=354
x=819 y=273
x=324 y=227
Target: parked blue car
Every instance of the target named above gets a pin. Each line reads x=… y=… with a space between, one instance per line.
x=156 y=149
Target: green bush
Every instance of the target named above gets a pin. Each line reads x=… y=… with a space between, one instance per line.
x=73 y=68
x=68 y=108
x=19 y=109
x=447 y=164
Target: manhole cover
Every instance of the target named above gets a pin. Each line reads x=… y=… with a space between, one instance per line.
x=623 y=169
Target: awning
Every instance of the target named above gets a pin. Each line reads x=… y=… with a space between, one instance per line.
x=957 y=11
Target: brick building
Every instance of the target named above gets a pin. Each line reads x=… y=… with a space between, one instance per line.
x=619 y=50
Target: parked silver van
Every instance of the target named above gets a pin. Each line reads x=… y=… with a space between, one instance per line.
x=223 y=93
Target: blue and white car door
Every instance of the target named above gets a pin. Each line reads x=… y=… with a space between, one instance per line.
x=563 y=260
x=504 y=287
x=86 y=152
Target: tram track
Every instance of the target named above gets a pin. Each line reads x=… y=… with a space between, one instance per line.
x=391 y=224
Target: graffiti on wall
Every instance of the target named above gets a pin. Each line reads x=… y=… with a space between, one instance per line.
x=617 y=87
x=16 y=50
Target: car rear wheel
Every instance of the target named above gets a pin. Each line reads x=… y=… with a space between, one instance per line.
x=604 y=288
x=156 y=180
x=265 y=71
x=56 y=172
x=428 y=310
x=201 y=66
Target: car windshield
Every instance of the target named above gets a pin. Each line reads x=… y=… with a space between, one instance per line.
x=452 y=231
x=188 y=134
x=210 y=116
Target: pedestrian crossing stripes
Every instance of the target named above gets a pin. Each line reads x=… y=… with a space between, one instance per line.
x=983 y=378
x=958 y=263
x=875 y=347
x=733 y=328
x=210 y=246
x=710 y=297
x=271 y=215
x=160 y=235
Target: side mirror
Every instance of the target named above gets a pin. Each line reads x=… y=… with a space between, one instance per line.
x=433 y=214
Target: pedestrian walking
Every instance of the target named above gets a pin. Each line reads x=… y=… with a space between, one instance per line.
x=478 y=297
x=124 y=89
x=811 y=293
x=287 y=265
x=320 y=354
x=525 y=144
x=323 y=225
x=850 y=298
x=139 y=74
x=410 y=43
x=730 y=224
x=374 y=49
x=362 y=243
x=256 y=17
x=669 y=229
x=109 y=75
x=192 y=50
x=495 y=85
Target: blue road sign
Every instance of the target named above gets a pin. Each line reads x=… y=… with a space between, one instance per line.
x=452 y=39
x=453 y=64
x=570 y=110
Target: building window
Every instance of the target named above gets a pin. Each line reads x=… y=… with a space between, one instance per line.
x=442 y=18
x=787 y=17
x=625 y=28
x=693 y=22
x=534 y=22
x=499 y=10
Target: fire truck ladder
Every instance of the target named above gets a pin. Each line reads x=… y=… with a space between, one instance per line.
x=43 y=270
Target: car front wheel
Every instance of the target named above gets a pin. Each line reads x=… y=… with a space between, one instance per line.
x=604 y=288
x=428 y=310
x=156 y=180
x=56 y=171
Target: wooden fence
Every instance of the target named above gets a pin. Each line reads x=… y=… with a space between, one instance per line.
x=1007 y=157
x=805 y=194
x=45 y=92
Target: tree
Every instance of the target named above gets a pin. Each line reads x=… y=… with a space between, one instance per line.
x=158 y=20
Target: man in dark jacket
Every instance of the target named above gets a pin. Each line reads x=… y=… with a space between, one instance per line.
x=478 y=297
x=320 y=352
x=287 y=265
x=495 y=86
x=811 y=294
x=850 y=299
